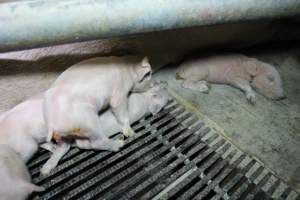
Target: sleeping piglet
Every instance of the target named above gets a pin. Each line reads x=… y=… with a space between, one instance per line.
x=72 y=103
x=15 y=181
x=139 y=105
x=233 y=69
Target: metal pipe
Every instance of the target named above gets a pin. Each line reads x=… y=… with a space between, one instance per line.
x=38 y=23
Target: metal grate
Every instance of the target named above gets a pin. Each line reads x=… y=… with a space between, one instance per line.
x=172 y=156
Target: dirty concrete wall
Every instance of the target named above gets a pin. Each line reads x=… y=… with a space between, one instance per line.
x=25 y=73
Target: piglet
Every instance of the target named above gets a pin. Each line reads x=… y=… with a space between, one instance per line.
x=72 y=103
x=233 y=69
x=23 y=127
x=15 y=181
x=139 y=105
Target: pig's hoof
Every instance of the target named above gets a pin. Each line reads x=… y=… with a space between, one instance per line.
x=46 y=169
x=251 y=98
x=203 y=88
x=118 y=144
x=128 y=132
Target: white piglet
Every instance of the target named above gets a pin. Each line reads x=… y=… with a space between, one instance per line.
x=72 y=103
x=23 y=127
x=139 y=105
x=15 y=181
x=233 y=69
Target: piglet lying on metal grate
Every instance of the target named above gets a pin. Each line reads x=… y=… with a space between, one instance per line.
x=139 y=105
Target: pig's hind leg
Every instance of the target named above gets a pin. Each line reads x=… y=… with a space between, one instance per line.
x=197 y=81
x=201 y=86
x=100 y=144
x=90 y=123
x=58 y=151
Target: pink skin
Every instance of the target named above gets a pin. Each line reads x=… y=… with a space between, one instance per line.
x=23 y=127
x=232 y=69
x=139 y=104
x=15 y=179
x=90 y=86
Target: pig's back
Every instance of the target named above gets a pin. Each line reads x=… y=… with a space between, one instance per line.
x=215 y=67
x=26 y=115
x=95 y=77
x=98 y=69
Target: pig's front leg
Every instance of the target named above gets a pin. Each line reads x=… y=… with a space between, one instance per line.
x=201 y=86
x=119 y=107
x=57 y=153
x=244 y=85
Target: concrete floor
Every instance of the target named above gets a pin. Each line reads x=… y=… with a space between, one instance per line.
x=269 y=130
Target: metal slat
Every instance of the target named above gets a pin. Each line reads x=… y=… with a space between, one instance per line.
x=136 y=165
x=163 y=172
x=86 y=171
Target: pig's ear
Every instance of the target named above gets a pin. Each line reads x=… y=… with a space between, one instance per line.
x=252 y=67
x=144 y=69
x=145 y=62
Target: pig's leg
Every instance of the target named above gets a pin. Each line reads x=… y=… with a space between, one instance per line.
x=244 y=85
x=197 y=81
x=101 y=144
x=119 y=107
x=201 y=86
x=48 y=146
x=58 y=152
x=107 y=144
x=83 y=144
x=96 y=139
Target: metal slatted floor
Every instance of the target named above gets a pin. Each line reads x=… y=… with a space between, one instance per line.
x=172 y=156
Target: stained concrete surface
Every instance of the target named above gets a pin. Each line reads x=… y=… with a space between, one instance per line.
x=269 y=130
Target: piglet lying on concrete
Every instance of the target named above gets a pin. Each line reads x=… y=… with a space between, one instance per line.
x=72 y=103
x=15 y=181
x=139 y=105
x=232 y=69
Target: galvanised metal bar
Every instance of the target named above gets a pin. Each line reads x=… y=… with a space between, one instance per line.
x=37 y=23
